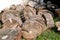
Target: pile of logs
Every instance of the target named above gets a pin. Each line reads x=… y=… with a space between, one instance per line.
x=25 y=21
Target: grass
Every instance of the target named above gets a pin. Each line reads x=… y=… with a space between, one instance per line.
x=49 y=35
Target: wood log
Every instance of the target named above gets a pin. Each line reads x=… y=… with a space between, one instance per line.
x=9 y=14
x=32 y=28
x=47 y=16
x=29 y=12
x=58 y=25
x=9 y=34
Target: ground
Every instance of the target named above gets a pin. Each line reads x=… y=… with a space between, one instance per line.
x=49 y=35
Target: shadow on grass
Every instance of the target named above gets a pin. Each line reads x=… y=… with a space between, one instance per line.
x=55 y=30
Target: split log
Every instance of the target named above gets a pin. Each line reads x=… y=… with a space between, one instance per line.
x=12 y=7
x=33 y=27
x=47 y=16
x=19 y=8
x=9 y=14
x=58 y=25
x=9 y=34
x=49 y=20
x=14 y=21
x=32 y=3
x=1 y=13
x=8 y=24
x=29 y=12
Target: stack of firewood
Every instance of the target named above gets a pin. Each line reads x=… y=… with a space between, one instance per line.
x=25 y=21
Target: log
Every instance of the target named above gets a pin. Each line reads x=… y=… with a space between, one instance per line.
x=58 y=25
x=9 y=14
x=8 y=34
x=32 y=3
x=32 y=28
x=29 y=12
x=47 y=16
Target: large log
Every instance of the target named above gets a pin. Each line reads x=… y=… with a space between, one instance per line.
x=47 y=16
x=32 y=3
x=33 y=27
x=29 y=12
x=9 y=34
x=13 y=22
x=58 y=25
x=9 y=14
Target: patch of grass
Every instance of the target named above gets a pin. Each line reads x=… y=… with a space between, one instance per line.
x=56 y=19
x=49 y=35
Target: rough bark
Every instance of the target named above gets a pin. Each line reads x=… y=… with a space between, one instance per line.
x=33 y=27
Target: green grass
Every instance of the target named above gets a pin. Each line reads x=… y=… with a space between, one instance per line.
x=49 y=35
x=56 y=19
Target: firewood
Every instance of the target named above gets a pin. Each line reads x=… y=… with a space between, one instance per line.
x=12 y=22
x=32 y=3
x=58 y=25
x=9 y=34
x=29 y=12
x=9 y=14
x=12 y=7
x=49 y=20
x=19 y=8
x=47 y=16
x=32 y=28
